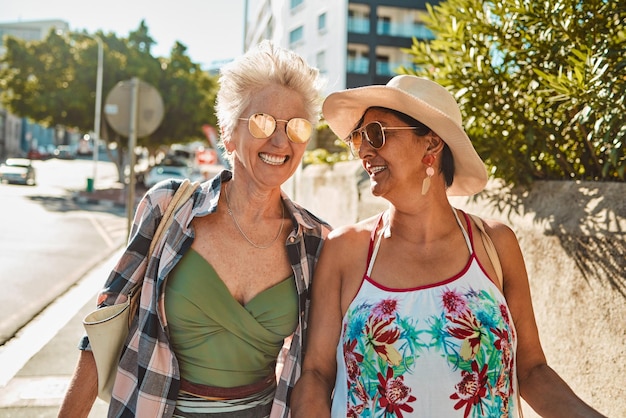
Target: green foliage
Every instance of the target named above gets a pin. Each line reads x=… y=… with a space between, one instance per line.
x=330 y=149
x=53 y=82
x=324 y=156
x=191 y=98
x=40 y=79
x=541 y=84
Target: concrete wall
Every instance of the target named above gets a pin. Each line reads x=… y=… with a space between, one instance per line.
x=573 y=236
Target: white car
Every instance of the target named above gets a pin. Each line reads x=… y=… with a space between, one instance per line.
x=164 y=172
x=18 y=170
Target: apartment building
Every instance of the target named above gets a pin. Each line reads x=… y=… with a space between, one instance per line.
x=352 y=43
x=34 y=30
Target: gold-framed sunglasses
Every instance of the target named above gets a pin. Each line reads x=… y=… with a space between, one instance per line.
x=374 y=133
x=262 y=126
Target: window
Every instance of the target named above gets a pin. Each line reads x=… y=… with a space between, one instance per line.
x=320 y=61
x=384 y=25
x=358 y=62
x=321 y=22
x=383 y=66
x=295 y=3
x=358 y=22
x=296 y=35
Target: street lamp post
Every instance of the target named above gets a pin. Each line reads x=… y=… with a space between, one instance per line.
x=98 y=110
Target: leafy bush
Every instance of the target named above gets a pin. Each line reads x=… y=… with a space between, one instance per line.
x=541 y=84
x=330 y=149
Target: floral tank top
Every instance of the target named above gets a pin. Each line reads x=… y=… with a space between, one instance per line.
x=442 y=350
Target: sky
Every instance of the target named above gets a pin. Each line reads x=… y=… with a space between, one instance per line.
x=212 y=30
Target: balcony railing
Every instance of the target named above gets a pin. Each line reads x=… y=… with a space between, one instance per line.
x=358 y=25
x=387 y=68
x=404 y=29
x=358 y=65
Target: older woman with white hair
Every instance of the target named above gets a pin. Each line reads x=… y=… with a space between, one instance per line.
x=421 y=311
x=230 y=284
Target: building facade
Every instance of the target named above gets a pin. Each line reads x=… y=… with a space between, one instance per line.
x=35 y=30
x=352 y=43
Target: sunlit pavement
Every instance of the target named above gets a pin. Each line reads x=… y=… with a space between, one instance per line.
x=36 y=365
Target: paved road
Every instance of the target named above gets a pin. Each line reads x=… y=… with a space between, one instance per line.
x=54 y=255
x=48 y=241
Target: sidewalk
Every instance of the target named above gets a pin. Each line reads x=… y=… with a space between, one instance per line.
x=36 y=365
x=112 y=196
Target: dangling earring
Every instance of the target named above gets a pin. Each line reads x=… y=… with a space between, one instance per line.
x=430 y=171
x=227 y=146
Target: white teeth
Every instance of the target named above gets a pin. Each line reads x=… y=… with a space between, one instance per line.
x=272 y=159
x=378 y=169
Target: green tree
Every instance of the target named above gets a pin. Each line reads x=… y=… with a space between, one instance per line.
x=541 y=84
x=189 y=102
x=34 y=79
x=53 y=83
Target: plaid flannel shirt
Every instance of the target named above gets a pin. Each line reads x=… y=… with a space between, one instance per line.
x=148 y=376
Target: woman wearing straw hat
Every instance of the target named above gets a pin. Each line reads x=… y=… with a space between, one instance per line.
x=411 y=315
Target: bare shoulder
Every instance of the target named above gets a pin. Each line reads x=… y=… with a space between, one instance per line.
x=500 y=233
x=511 y=260
x=347 y=233
x=347 y=245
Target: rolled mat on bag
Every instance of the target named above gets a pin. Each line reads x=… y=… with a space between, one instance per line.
x=107 y=329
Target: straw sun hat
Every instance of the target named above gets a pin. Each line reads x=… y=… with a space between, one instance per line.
x=423 y=100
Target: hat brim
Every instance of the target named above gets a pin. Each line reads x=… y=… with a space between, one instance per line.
x=343 y=110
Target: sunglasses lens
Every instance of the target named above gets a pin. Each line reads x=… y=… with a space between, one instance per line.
x=299 y=130
x=354 y=140
x=375 y=135
x=261 y=125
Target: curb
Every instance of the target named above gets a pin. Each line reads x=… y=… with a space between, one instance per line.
x=83 y=200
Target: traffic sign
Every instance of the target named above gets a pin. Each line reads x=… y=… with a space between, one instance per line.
x=150 y=110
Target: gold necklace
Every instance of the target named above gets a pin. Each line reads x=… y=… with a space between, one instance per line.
x=243 y=234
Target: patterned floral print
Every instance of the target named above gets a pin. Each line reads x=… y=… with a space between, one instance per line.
x=469 y=331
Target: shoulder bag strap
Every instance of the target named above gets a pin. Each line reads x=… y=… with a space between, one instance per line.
x=491 y=249
x=182 y=194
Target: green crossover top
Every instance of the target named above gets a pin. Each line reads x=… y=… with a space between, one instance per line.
x=218 y=341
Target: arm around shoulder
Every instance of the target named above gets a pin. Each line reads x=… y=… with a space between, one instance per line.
x=312 y=393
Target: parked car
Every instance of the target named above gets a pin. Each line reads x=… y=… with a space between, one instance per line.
x=64 y=152
x=34 y=154
x=164 y=172
x=18 y=170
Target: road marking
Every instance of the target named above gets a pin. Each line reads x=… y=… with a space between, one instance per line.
x=16 y=352
x=100 y=230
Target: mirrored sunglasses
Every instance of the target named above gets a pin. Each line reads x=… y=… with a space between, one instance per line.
x=262 y=126
x=374 y=134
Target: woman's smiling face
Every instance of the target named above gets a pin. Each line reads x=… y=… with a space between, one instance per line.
x=270 y=161
x=397 y=163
